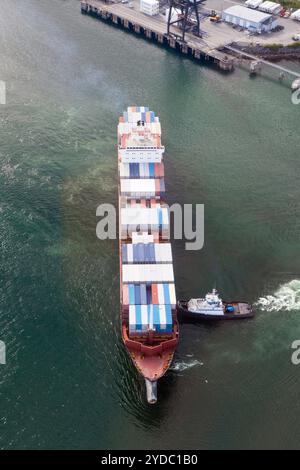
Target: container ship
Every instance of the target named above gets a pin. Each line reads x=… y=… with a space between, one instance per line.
x=147 y=290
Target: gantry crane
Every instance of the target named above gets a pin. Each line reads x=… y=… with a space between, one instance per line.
x=187 y=16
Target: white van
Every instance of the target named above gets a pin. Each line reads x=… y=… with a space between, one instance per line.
x=296 y=37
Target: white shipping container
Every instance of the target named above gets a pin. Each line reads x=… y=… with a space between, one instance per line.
x=138 y=318
x=262 y=6
x=253 y=3
x=163 y=252
x=143 y=237
x=296 y=15
x=275 y=8
x=125 y=127
x=129 y=253
x=278 y=10
x=155 y=127
x=144 y=216
x=149 y=7
x=150 y=273
x=175 y=13
x=124 y=170
x=144 y=314
x=149 y=3
x=270 y=7
x=160 y=292
x=138 y=186
x=162 y=317
x=265 y=6
x=143 y=170
x=172 y=294
x=165 y=217
x=169 y=298
x=134 y=117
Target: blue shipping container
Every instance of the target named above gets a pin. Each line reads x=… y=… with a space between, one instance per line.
x=124 y=253
x=137 y=294
x=131 y=294
x=143 y=294
x=151 y=170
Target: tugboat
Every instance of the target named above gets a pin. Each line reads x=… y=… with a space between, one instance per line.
x=213 y=308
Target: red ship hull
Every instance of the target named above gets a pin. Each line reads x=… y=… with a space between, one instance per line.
x=151 y=361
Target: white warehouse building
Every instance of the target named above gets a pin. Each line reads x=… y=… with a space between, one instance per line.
x=253 y=20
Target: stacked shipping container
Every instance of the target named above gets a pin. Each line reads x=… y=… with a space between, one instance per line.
x=147 y=279
x=149 y=7
x=141 y=170
x=146 y=253
x=143 y=294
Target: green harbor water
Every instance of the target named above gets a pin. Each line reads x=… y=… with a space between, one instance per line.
x=232 y=143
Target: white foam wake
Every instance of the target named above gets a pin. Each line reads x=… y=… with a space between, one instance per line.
x=179 y=366
x=287 y=297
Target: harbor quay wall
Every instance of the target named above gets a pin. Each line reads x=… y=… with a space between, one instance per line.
x=156 y=33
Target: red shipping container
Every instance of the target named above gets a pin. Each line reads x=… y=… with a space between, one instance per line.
x=161 y=171
x=157 y=186
x=154 y=293
x=125 y=295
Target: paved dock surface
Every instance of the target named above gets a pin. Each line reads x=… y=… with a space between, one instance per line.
x=216 y=35
x=216 y=39
x=158 y=25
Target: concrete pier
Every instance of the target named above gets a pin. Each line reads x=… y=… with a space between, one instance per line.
x=154 y=29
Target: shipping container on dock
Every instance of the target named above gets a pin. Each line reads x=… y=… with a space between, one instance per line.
x=147 y=288
x=149 y=7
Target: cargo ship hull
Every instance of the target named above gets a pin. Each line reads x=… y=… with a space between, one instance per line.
x=149 y=324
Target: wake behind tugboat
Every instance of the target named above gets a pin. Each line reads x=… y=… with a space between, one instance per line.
x=285 y=298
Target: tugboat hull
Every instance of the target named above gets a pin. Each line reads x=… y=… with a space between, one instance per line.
x=241 y=310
